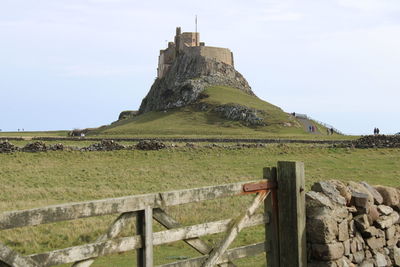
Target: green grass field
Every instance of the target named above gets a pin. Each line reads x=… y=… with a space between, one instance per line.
x=38 y=179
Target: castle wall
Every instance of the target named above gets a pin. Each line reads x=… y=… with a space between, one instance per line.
x=165 y=60
x=217 y=53
x=190 y=38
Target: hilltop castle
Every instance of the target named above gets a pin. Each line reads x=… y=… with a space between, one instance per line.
x=189 y=43
x=186 y=68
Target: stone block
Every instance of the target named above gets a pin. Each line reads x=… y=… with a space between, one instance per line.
x=353 y=245
x=317 y=204
x=346 y=246
x=329 y=189
x=321 y=230
x=359 y=256
x=344 y=262
x=340 y=213
x=392 y=242
x=396 y=256
x=387 y=221
x=376 y=242
x=361 y=222
x=373 y=214
x=343 y=228
x=368 y=254
x=390 y=232
x=389 y=194
x=327 y=252
x=367 y=263
x=385 y=210
x=356 y=187
x=378 y=199
x=360 y=200
x=352 y=228
x=343 y=189
x=380 y=260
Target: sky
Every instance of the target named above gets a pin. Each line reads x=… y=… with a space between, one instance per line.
x=69 y=64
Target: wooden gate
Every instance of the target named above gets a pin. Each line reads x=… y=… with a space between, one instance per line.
x=285 y=243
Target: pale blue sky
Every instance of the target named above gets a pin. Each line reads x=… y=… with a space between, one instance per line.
x=68 y=64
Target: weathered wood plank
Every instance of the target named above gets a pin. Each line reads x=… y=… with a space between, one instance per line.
x=88 y=251
x=272 y=228
x=292 y=214
x=144 y=227
x=72 y=211
x=231 y=254
x=209 y=228
x=15 y=259
x=168 y=222
x=117 y=226
x=217 y=252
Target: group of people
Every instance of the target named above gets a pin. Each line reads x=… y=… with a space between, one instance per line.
x=376 y=131
x=329 y=131
x=311 y=129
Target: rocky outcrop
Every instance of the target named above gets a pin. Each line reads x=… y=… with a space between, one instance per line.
x=353 y=224
x=127 y=114
x=188 y=76
x=236 y=112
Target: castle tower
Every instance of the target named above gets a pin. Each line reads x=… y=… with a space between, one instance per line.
x=189 y=43
x=177 y=39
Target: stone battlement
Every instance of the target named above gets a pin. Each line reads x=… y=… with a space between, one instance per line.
x=189 y=43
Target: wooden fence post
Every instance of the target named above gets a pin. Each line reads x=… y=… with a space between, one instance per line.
x=292 y=214
x=144 y=227
x=271 y=228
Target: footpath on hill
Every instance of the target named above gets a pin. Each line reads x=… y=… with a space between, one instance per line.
x=307 y=123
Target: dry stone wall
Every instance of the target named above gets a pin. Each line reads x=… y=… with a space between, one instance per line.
x=353 y=224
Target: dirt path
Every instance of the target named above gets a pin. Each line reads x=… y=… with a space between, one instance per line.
x=307 y=123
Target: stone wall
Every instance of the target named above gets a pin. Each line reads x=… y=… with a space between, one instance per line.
x=214 y=53
x=353 y=224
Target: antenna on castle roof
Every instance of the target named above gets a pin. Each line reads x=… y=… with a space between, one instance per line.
x=195 y=21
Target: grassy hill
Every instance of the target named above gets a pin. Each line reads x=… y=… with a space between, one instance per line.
x=193 y=121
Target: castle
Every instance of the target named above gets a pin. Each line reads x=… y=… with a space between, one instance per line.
x=189 y=43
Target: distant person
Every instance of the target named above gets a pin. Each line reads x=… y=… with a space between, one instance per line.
x=332 y=131
x=328 y=131
x=377 y=131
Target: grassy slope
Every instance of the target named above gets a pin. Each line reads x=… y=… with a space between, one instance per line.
x=189 y=121
x=36 y=179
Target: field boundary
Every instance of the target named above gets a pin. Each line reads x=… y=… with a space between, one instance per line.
x=183 y=140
